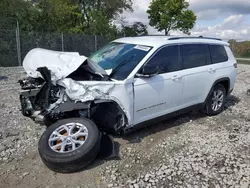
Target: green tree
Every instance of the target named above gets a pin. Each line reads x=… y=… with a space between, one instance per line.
x=99 y=25
x=111 y=8
x=167 y=15
x=99 y=14
x=58 y=15
x=135 y=29
x=94 y=17
x=12 y=11
x=41 y=15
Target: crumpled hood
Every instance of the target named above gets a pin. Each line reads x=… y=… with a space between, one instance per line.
x=61 y=64
x=85 y=90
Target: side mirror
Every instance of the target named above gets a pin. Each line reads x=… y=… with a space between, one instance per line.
x=148 y=71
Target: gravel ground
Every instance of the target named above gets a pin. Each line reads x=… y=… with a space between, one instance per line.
x=189 y=151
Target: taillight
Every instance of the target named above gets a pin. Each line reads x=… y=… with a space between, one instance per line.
x=235 y=65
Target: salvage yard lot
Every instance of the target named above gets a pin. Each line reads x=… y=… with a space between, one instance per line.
x=192 y=150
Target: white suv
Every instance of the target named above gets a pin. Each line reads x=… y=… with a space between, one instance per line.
x=128 y=83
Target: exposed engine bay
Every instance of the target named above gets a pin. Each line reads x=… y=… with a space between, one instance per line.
x=51 y=93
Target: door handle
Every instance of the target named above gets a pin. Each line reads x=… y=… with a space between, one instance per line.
x=211 y=70
x=176 y=78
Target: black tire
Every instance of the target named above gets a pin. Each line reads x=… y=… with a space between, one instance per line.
x=208 y=107
x=72 y=161
x=248 y=92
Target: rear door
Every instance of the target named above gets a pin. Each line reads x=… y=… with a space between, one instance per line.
x=198 y=73
x=223 y=66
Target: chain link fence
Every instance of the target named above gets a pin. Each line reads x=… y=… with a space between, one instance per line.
x=8 y=48
x=15 y=44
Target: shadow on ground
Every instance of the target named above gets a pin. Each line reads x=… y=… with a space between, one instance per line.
x=231 y=101
x=176 y=122
x=110 y=149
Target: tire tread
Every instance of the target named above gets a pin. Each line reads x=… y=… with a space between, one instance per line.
x=72 y=161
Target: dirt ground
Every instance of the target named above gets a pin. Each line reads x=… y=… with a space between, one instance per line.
x=192 y=150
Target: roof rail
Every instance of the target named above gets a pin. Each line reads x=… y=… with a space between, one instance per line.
x=180 y=37
x=200 y=37
x=152 y=35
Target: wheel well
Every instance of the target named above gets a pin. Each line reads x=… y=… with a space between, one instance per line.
x=108 y=116
x=225 y=83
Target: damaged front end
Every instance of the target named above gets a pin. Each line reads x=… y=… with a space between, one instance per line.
x=37 y=95
x=83 y=100
x=50 y=93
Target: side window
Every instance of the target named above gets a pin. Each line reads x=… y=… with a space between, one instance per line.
x=194 y=55
x=167 y=59
x=208 y=55
x=218 y=53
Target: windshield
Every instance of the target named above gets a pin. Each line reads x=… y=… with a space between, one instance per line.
x=119 y=59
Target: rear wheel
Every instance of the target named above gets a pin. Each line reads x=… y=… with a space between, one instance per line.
x=216 y=101
x=69 y=145
x=248 y=92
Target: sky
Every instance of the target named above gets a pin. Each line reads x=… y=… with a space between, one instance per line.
x=226 y=19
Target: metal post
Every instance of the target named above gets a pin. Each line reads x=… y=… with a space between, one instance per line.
x=95 y=43
x=233 y=47
x=18 y=45
x=62 y=42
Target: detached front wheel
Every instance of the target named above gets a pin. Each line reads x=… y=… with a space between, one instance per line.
x=69 y=145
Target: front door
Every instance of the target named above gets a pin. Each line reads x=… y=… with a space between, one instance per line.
x=160 y=94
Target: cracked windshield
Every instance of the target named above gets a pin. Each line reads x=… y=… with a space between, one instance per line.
x=119 y=59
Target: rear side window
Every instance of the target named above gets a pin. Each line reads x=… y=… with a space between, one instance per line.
x=167 y=59
x=218 y=53
x=194 y=55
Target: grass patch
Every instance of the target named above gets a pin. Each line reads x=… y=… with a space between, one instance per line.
x=245 y=62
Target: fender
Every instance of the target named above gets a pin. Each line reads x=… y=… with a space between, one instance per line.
x=71 y=105
x=215 y=83
x=114 y=118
